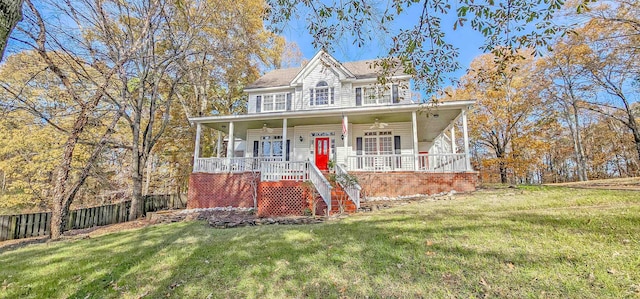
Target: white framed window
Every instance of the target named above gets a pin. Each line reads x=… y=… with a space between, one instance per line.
x=378 y=143
x=272 y=102
x=321 y=95
x=271 y=146
x=377 y=95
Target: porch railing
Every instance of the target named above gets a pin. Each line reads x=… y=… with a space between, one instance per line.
x=442 y=163
x=284 y=171
x=425 y=162
x=221 y=165
x=322 y=185
x=352 y=190
x=381 y=163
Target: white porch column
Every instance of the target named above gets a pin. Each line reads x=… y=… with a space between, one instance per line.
x=345 y=122
x=414 y=125
x=453 y=139
x=465 y=134
x=284 y=139
x=219 y=144
x=232 y=141
x=196 y=150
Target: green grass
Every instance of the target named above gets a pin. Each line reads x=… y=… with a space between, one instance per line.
x=521 y=243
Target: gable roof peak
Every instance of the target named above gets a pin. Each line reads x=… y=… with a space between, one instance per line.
x=322 y=57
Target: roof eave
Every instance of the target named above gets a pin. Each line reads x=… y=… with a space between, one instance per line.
x=328 y=112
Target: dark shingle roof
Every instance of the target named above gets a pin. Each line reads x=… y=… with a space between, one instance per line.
x=283 y=77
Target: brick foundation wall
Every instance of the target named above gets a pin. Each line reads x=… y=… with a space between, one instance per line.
x=282 y=198
x=210 y=190
x=393 y=184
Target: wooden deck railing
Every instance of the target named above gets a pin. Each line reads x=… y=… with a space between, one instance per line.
x=222 y=165
x=284 y=171
x=425 y=163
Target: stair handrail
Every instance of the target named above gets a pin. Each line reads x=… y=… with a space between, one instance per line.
x=353 y=190
x=321 y=183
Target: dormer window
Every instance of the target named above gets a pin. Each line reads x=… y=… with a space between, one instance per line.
x=321 y=95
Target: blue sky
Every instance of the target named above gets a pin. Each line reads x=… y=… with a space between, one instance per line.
x=465 y=39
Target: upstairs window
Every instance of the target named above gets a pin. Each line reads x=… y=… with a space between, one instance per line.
x=377 y=95
x=273 y=102
x=321 y=95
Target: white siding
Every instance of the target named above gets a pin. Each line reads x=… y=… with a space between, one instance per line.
x=304 y=150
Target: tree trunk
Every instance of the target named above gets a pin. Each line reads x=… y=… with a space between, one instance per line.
x=137 y=199
x=503 y=172
x=578 y=149
x=59 y=218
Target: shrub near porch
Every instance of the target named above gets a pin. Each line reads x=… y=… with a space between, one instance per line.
x=532 y=242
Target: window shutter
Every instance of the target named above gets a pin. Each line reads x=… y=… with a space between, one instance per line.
x=359 y=96
x=359 y=145
x=394 y=94
x=288 y=147
x=258 y=103
x=255 y=149
x=289 y=101
x=332 y=97
x=396 y=146
x=310 y=96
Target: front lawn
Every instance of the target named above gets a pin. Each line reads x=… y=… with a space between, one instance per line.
x=528 y=242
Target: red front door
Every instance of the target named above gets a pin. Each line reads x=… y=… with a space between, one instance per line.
x=322 y=153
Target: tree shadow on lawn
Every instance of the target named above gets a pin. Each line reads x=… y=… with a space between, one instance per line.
x=357 y=259
x=591 y=224
x=386 y=256
x=84 y=267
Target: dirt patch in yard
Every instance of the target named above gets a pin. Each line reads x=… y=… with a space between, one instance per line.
x=608 y=184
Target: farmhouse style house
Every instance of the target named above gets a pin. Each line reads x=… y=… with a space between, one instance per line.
x=304 y=121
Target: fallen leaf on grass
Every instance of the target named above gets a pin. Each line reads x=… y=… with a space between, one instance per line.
x=484 y=283
x=429 y=243
x=510 y=265
x=430 y=253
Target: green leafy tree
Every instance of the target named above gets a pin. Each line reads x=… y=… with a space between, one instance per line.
x=424 y=50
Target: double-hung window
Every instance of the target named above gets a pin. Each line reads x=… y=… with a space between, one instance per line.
x=273 y=102
x=377 y=95
x=321 y=95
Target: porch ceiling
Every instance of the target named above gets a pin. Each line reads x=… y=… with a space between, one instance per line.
x=431 y=121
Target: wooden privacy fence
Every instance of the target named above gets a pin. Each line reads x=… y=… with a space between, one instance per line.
x=39 y=224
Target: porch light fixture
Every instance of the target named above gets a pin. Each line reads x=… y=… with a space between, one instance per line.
x=301 y=139
x=342 y=136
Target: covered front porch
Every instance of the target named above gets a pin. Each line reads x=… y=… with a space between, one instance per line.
x=399 y=138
